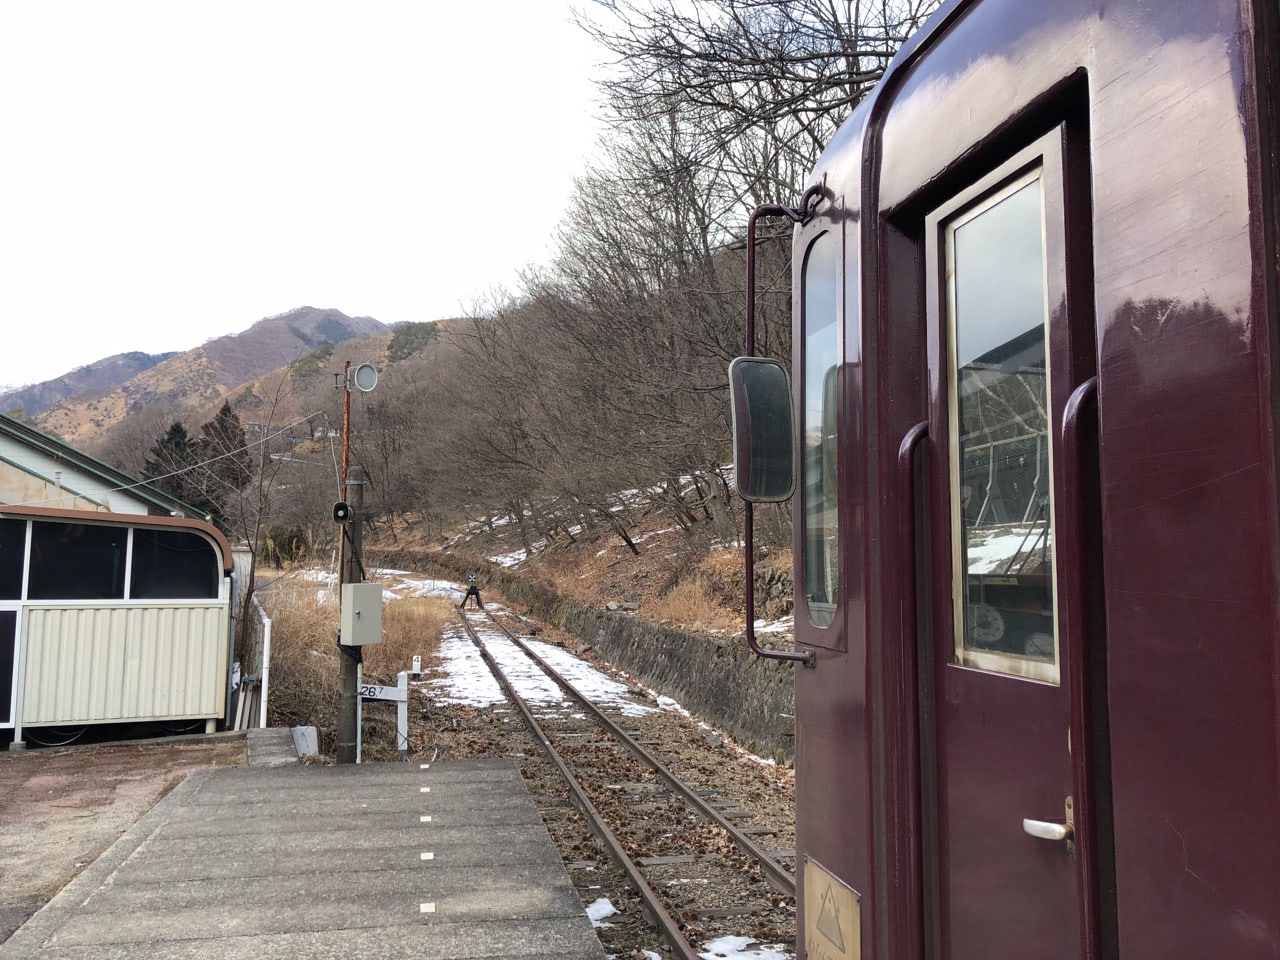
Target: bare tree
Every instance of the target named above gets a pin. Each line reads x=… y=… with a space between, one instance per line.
x=789 y=67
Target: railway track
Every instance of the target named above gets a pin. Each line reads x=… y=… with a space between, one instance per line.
x=667 y=836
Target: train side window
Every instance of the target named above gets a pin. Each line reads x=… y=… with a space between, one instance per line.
x=77 y=561
x=1001 y=489
x=172 y=565
x=819 y=494
x=13 y=549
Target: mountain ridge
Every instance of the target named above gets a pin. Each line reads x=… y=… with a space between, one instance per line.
x=207 y=374
x=99 y=376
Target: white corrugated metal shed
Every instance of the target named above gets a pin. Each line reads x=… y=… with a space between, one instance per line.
x=110 y=617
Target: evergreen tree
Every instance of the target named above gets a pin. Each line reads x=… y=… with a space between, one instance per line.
x=225 y=466
x=223 y=449
x=169 y=464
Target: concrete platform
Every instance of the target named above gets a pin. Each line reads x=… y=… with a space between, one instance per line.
x=443 y=861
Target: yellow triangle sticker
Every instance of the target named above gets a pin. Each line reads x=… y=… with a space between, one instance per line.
x=829 y=920
x=831 y=915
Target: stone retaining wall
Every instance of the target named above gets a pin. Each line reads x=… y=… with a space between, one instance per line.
x=717 y=679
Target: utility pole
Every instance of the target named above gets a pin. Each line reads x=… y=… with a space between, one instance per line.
x=350 y=560
x=346 y=463
x=348 y=680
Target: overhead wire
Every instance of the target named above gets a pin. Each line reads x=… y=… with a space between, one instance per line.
x=194 y=466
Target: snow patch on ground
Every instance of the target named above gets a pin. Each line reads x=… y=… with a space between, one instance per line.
x=317 y=576
x=598 y=910
x=745 y=948
x=786 y=625
x=648 y=536
x=445 y=589
x=666 y=703
x=510 y=559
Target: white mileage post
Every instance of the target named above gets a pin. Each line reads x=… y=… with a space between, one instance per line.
x=399 y=694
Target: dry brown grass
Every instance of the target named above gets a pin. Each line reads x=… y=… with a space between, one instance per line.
x=411 y=627
x=691 y=603
x=305 y=658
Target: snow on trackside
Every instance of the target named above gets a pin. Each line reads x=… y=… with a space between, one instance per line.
x=535 y=686
x=587 y=680
x=597 y=910
x=744 y=948
x=467 y=680
x=666 y=703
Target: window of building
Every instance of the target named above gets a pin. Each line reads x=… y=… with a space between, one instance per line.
x=13 y=551
x=173 y=565
x=77 y=561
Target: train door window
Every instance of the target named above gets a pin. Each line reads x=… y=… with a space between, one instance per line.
x=819 y=493
x=13 y=555
x=1002 y=513
x=172 y=565
x=77 y=561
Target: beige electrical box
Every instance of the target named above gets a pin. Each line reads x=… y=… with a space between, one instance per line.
x=361 y=614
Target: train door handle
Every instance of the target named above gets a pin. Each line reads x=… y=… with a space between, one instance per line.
x=1048 y=831
x=1061 y=832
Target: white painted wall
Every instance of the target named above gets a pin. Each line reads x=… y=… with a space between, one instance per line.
x=32 y=483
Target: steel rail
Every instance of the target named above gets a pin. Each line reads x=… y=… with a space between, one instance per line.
x=651 y=904
x=782 y=879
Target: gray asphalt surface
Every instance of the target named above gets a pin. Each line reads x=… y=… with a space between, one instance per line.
x=376 y=860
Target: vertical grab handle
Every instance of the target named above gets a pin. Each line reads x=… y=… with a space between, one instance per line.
x=795 y=215
x=1075 y=580
x=907 y=530
x=908 y=694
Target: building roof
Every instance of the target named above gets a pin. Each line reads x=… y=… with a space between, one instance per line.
x=117 y=479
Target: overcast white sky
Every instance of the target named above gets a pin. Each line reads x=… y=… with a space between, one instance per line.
x=172 y=172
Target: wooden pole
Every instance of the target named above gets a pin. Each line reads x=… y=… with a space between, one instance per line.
x=346 y=463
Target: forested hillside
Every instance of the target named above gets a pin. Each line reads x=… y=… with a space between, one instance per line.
x=595 y=392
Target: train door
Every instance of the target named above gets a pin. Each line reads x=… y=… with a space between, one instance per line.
x=1003 y=359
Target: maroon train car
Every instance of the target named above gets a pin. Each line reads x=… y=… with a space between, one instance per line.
x=1036 y=288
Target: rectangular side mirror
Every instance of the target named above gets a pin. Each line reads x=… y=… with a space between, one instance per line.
x=763 y=444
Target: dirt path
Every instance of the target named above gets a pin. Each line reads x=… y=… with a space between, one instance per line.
x=60 y=809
